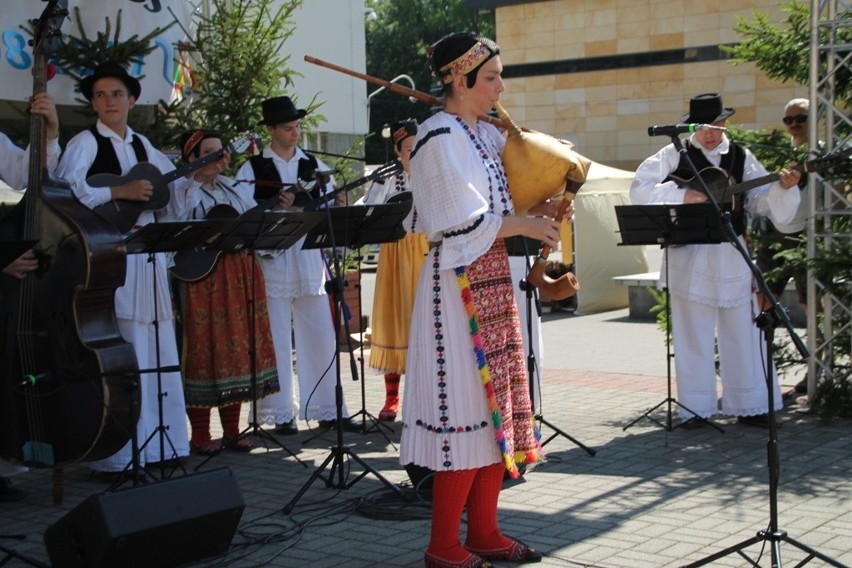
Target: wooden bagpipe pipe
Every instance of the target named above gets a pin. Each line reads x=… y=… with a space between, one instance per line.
x=538 y=167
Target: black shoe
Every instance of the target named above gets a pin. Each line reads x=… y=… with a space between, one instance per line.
x=758 y=420
x=349 y=424
x=287 y=428
x=8 y=493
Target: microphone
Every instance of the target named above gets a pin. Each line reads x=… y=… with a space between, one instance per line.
x=675 y=129
x=34 y=379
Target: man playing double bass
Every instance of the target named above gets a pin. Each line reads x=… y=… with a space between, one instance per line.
x=111 y=146
x=14 y=164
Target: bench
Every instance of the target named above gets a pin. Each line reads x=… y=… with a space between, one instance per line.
x=639 y=300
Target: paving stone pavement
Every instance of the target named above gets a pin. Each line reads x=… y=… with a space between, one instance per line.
x=647 y=498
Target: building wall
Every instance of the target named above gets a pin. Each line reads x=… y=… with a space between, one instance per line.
x=606 y=111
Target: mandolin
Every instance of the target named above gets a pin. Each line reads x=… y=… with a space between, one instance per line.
x=718 y=182
x=123 y=213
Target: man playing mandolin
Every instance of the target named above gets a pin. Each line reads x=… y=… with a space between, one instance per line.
x=711 y=284
x=295 y=282
x=112 y=147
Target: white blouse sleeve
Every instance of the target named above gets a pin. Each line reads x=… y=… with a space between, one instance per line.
x=449 y=183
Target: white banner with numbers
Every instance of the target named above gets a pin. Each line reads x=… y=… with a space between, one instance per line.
x=138 y=17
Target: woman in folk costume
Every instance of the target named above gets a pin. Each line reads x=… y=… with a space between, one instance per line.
x=466 y=409
x=217 y=325
x=396 y=276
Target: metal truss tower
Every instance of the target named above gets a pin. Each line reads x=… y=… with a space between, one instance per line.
x=830 y=226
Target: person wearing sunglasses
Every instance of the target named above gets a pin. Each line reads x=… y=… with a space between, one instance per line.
x=777 y=237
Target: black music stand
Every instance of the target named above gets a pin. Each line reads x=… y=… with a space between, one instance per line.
x=258 y=229
x=12 y=250
x=668 y=225
x=152 y=239
x=350 y=227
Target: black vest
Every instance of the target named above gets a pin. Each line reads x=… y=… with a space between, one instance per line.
x=733 y=163
x=106 y=160
x=265 y=170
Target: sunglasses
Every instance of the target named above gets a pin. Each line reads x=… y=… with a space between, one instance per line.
x=801 y=119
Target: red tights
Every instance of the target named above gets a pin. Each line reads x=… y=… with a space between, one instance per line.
x=479 y=489
x=199 y=421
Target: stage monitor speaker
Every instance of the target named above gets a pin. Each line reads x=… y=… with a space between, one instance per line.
x=163 y=524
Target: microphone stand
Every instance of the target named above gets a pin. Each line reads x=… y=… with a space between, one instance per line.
x=339 y=451
x=532 y=300
x=766 y=321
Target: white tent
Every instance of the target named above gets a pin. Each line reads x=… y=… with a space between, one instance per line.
x=597 y=256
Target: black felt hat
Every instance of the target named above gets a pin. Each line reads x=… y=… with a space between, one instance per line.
x=278 y=110
x=110 y=69
x=706 y=108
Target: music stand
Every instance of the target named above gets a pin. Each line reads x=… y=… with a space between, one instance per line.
x=668 y=225
x=350 y=227
x=12 y=250
x=152 y=239
x=258 y=229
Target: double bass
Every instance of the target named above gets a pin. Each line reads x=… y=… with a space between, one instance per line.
x=68 y=376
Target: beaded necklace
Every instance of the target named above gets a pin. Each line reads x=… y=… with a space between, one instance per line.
x=490 y=155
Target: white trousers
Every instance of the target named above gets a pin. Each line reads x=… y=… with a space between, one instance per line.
x=695 y=329
x=309 y=319
x=175 y=438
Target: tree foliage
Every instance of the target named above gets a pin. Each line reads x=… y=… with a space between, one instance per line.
x=782 y=52
x=396 y=44
x=78 y=56
x=236 y=61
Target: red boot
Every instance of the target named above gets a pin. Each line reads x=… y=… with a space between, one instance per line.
x=388 y=413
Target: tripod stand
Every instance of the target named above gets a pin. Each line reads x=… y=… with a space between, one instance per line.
x=766 y=321
x=153 y=239
x=532 y=333
x=349 y=227
x=369 y=423
x=668 y=225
